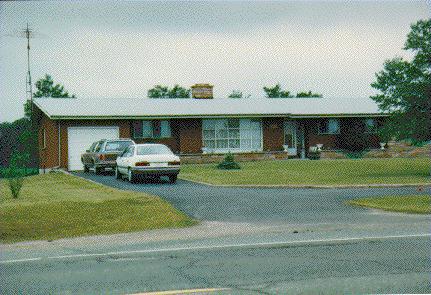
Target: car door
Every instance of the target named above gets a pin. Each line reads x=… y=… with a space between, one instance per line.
x=130 y=158
x=86 y=157
x=121 y=161
x=94 y=155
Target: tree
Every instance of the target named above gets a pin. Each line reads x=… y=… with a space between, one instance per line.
x=405 y=88
x=13 y=137
x=177 y=91
x=238 y=94
x=308 y=94
x=46 y=88
x=158 y=91
x=235 y=94
x=352 y=137
x=276 y=92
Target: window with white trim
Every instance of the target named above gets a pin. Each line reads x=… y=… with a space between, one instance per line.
x=329 y=126
x=223 y=135
x=152 y=129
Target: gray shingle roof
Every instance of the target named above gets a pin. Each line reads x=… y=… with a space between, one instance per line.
x=75 y=108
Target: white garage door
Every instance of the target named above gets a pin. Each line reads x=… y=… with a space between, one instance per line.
x=81 y=138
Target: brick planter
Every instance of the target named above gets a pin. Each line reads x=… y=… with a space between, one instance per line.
x=241 y=157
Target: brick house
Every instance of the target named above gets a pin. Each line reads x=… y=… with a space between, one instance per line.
x=201 y=125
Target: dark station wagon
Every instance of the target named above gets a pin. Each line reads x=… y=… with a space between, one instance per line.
x=102 y=154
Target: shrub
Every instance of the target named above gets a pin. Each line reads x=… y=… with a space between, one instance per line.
x=352 y=137
x=228 y=163
x=5 y=171
x=314 y=153
x=15 y=185
x=15 y=180
x=15 y=172
x=355 y=155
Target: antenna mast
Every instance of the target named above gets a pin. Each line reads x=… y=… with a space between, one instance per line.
x=29 y=87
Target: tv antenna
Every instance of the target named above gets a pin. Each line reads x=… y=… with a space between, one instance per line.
x=28 y=33
x=29 y=87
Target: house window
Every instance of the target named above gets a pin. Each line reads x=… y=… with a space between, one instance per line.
x=43 y=138
x=223 y=135
x=152 y=129
x=329 y=126
x=370 y=125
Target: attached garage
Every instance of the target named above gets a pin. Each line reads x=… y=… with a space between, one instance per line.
x=80 y=139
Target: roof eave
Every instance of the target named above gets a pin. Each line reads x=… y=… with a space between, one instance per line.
x=294 y=116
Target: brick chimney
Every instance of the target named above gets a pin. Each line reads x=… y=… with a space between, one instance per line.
x=202 y=91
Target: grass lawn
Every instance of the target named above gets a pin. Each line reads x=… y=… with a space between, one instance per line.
x=320 y=172
x=408 y=204
x=57 y=205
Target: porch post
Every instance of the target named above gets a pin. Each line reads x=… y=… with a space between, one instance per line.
x=302 y=131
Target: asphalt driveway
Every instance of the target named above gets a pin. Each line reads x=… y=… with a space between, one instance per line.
x=266 y=205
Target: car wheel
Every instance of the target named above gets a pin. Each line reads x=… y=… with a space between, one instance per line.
x=97 y=170
x=86 y=169
x=173 y=178
x=131 y=176
x=117 y=173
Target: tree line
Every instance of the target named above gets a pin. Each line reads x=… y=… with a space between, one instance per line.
x=161 y=91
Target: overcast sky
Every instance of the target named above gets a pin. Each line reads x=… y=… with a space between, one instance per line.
x=111 y=49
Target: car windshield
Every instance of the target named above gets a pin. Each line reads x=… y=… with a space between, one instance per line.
x=117 y=146
x=153 y=150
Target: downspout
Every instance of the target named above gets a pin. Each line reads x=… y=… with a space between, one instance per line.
x=59 y=144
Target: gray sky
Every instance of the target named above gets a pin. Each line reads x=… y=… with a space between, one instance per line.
x=110 y=49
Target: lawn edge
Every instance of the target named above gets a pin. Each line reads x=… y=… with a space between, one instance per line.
x=308 y=185
x=386 y=210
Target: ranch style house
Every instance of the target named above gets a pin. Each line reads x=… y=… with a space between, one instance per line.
x=200 y=125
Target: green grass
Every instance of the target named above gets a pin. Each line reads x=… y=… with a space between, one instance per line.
x=320 y=172
x=407 y=204
x=57 y=205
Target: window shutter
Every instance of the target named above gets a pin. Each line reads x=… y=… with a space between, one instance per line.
x=147 y=129
x=333 y=126
x=137 y=129
x=165 y=128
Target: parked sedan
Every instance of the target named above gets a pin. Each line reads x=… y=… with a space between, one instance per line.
x=103 y=154
x=147 y=160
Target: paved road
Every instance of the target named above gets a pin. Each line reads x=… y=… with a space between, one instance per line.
x=394 y=265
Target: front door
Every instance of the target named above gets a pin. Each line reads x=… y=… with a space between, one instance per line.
x=290 y=137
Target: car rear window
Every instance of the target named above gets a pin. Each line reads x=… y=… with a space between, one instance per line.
x=117 y=146
x=153 y=150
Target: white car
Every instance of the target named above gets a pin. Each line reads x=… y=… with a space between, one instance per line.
x=147 y=160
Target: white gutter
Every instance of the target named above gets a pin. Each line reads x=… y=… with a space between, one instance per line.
x=217 y=116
